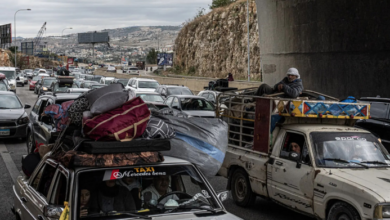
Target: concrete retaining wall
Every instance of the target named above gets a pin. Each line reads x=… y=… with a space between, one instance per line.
x=340 y=48
x=194 y=85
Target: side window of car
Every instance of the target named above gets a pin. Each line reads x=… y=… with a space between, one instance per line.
x=164 y=92
x=295 y=143
x=176 y=103
x=169 y=101
x=36 y=106
x=43 y=179
x=60 y=189
x=42 y=107
x=211 y=97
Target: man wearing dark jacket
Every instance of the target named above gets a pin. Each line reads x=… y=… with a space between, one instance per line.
x=291 y=85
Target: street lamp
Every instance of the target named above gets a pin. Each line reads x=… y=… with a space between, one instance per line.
x=16 y=53
x=62 y=36
x=249 y=56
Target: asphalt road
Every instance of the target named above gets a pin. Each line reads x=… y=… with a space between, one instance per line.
x=11 y=151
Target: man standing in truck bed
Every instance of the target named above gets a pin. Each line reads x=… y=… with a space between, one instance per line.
x=291 y=85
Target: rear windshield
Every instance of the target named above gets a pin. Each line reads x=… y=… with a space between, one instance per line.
x=48 y=82
x=179 y=91
x=148 y=84
x=196 y=104
x=151 y=98
x=123 y=81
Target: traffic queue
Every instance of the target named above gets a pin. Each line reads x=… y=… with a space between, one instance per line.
x=107 y=148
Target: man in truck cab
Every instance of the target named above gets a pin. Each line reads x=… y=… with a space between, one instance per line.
x=291 y=85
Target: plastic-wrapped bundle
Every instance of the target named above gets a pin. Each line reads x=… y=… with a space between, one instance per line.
x=202 y=141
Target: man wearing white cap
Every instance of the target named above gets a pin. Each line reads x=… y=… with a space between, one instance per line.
x=291 y=85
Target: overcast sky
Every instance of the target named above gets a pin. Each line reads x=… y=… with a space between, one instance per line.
x=95 y=15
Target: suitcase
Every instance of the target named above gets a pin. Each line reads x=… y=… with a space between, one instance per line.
x=102 y=147
x=122 y=124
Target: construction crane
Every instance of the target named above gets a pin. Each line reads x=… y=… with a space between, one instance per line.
x=38 y=38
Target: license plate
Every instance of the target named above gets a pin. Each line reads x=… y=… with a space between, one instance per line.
x=4 y=132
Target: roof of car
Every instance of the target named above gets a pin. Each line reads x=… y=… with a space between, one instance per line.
x=7 y=93
x=145 y=79
x=62 y=96
x=307 y=128
x=374 y=99
x=187 y=96
x=167 y=161
x=181 y=86
x=6 y=68
x=149 y=93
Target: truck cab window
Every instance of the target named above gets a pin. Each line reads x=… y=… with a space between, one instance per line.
x=293 y=142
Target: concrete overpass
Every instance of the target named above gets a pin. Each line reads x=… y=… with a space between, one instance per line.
x=340 y=47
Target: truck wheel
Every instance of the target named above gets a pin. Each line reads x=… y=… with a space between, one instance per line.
x=30 y=143
x=343 y=211
x=241 y=189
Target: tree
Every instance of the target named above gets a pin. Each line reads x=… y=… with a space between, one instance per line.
x=220 y=3
x=12 y=49
x=151 y=58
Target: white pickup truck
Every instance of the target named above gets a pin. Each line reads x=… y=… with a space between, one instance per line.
x=307 y=156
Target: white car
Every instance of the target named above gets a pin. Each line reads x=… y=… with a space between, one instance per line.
x=20 y=79
x=107 y=80
x=9 y=74
x=133 y=71
x=111 y=69
x=142 y=85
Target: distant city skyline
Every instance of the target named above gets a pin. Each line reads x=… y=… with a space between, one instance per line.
x=96 y=15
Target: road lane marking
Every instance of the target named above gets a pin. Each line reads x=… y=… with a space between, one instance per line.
x=9 y=163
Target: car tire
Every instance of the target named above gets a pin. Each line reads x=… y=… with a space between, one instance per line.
x=343 y=211
x=241 y=189
x=30 y=143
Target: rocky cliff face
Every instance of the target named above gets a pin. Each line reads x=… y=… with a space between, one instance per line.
x=4 y=58
x=216 y=44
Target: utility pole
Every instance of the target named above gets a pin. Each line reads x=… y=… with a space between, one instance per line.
x=249 y=56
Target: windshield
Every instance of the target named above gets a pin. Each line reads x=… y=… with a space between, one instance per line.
x=133 y=189
x=9 y=102
x=8 y=74
x=196 y=104
x=151 y=98
x=3 y=87
x=148 y=84
x=36 y=78
x=179 y=91
x=123 y=82
x=47 y=82
x=108 y=81
x=334 y=149
x=136 y=69
x=96 y=78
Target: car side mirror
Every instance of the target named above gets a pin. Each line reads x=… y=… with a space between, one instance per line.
x=294 y=156
x=26 y=106
x=223 y=195
x=53 y=211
